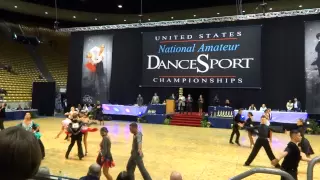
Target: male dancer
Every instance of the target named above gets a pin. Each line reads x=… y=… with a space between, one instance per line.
x=74 y=129
x=136 y=154
x=292 y=156
x=262 y=141
x=235 y=127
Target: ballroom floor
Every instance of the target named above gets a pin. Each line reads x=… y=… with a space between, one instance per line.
x=197 y=153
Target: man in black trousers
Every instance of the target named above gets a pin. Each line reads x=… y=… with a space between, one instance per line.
x=74 y=129
x=2 y=115
x=235 y=127
x=292 y=156
x=136 y=158
x=262 y=141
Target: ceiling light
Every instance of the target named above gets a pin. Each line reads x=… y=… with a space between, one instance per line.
x=218 y=13
x=96 y=19
x=149 y=19
x=172 y=17
x=124 y=20
x=243 y=11
x=270 y=9
x=46 y=12
x=194 y=15
x=15 y=6
x=119 y=6
x=74 y=17
x=300 y=6
x=140 y=15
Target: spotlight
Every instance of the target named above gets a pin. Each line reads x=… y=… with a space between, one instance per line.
x=300 y=6
x=172 y=17
x=74 y=17
x=119 y=6
x=15 y=6
x=46 y=12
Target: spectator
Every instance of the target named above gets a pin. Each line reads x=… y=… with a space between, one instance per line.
x=94 y=173
x=124 y=176
x=19 y=152
x=175 y=176
x=43 y=172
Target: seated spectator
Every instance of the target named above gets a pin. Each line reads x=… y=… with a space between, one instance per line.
x=252 y=107
x=19 y=107
x=175 y=176
x=289 y=106
x=20 y=154
x=43 y=172
x=263 y=107
x=124 y=176
x=94 y=173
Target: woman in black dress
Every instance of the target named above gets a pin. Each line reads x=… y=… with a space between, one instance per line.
x=104 y=158
x=251 y=132
x=200 y=104
x=304 y=144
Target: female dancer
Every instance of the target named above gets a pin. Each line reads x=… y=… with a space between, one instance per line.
x=105 y=157
x=72 y=110
x=31 y=126
x=85 y=129
x=64 y=128
x=200 y=104
x=304 y=144
x=251 y=132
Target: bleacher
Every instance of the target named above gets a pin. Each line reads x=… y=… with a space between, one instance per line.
x=17 y=84
x=53 y=50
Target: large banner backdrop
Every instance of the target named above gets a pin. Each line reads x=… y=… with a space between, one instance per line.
x=223 y=57
x=312 y=66
x=96 y=69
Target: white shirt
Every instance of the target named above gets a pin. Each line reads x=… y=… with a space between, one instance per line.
x=263 y=108
x=96 y=57
x=295 y=104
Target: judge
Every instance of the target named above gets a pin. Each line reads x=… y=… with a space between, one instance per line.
x=181 y=103
x=139 y=100
x=155 y=99
x=189 y=104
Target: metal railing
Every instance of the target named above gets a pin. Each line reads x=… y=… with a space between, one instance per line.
x=263 y=171
x=311 y=165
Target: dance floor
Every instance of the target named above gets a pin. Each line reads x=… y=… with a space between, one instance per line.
x=197 y=153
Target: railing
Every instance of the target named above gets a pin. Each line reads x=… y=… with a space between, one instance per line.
x=263 y=171
x=311 y=165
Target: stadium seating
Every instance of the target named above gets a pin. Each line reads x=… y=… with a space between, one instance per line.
x=53 y=50
x=19 y=83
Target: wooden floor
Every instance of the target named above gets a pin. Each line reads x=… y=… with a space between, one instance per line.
x=198 y=153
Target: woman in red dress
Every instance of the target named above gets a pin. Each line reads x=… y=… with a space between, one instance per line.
x=105 y=157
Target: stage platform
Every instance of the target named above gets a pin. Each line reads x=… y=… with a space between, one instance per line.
x=197 y=153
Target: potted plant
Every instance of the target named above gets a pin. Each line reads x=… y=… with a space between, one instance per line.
x=167 y=120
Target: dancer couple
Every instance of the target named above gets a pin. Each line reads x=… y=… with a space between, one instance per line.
x=85 y=128
x=292 y=154
x=136 y=159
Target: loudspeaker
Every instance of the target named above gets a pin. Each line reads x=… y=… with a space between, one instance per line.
x=43 y=97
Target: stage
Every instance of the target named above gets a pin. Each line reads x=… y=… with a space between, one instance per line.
x=197 y=153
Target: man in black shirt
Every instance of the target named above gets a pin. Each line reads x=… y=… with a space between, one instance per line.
x=292 y=156
x=262 y=141
x=2 y=115
x=235 y=127
x=74 y=129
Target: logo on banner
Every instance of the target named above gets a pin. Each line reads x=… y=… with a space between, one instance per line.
x=87 y=99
